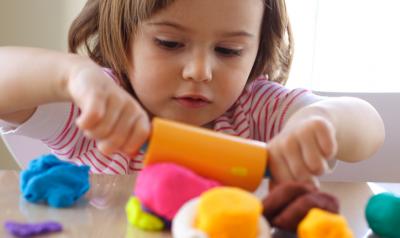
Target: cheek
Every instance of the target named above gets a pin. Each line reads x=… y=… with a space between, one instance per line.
x=238 y=87
x=142 y=75
x=230 y=90
x=143 y=84
x=153 y=72
x=152 y=85
x=236 y=78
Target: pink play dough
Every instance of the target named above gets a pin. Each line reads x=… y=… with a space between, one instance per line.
x=164 y=188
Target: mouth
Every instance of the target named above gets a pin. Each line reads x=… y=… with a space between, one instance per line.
x=193 y=101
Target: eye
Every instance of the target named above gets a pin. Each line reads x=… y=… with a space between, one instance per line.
x=167 y=44
x=228 y=52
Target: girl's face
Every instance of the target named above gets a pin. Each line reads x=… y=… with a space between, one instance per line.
x=190 y=61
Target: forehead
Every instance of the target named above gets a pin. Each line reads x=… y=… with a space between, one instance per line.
x=218 y=15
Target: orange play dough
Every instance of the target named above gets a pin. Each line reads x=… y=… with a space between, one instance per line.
x=319 y=223
x=228 y=212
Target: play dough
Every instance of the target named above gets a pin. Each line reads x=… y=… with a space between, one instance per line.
x=228 y=212
x=319 y=223
x=55 y=182
x=184 y=223
x=32 y=229
x=383 y=214
x=164 y=188
x=141 y=219
x=288 y=203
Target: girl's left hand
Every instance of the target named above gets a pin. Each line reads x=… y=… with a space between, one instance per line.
x=301 y=150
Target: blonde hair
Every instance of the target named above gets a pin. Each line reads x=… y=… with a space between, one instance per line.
x=104 y=28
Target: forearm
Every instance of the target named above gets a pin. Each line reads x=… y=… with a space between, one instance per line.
x=359 y=128
x=31 y=77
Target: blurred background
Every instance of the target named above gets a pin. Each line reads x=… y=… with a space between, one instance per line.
x=36 y=23
x=340 y=45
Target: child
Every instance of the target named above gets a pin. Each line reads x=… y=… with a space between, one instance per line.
x=212 y=63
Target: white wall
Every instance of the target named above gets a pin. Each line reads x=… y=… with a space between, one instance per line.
x=36 y=23
x=39 y=23
x=351 y=47
x=346 y=45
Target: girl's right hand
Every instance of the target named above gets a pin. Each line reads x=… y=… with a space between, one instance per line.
x=109 y=114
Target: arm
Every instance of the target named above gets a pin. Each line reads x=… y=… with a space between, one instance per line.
x=348 y=129
x=31 y=77
x=358 y=127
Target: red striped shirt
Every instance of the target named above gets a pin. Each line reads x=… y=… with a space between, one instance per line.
x=259 y=114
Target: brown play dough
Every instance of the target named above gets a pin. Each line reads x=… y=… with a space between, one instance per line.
x=288 y=203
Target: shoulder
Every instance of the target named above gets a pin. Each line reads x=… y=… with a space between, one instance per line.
x=259 y=89
x=237 y=120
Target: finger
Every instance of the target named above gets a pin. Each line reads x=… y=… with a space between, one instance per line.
x=139 y=134
x=295 y=161
x=120 y=132
x=103 y=147
x=114 y=109
x=277 y=164
x=325 y=135
x=93 y=110
x=312 y=154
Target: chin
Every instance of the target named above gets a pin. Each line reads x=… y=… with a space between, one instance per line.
x=191 y=121
x=187 y=119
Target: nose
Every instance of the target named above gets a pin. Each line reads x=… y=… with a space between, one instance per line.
x=198 y=68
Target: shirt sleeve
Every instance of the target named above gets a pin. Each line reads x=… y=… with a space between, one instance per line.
x=45 y=122
x=273 y=104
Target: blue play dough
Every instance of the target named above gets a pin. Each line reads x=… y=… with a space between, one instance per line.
x=57 y=182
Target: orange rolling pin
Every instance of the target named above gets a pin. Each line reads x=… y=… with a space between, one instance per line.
x=231 y=160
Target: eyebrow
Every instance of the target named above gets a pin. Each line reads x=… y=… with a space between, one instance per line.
x=182 y=28
x=169 y=24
